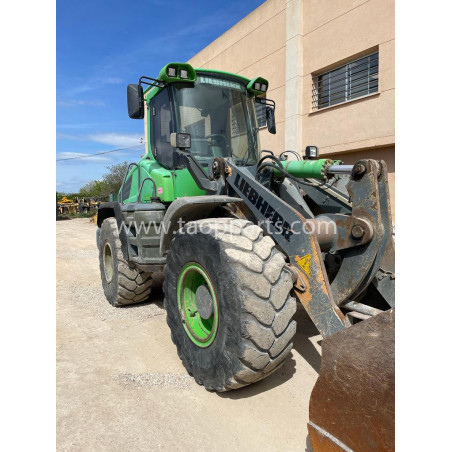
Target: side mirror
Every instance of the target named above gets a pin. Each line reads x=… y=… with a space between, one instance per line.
x=270 y=116
x=180 y=140
x=135 y=101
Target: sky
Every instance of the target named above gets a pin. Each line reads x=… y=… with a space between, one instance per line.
x=104 y=45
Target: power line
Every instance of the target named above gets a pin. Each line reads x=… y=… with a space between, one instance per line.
x=100 y=153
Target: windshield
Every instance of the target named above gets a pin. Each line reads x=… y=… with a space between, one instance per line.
x=219 y=115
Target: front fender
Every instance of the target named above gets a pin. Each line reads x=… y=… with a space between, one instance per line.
x=187 y=209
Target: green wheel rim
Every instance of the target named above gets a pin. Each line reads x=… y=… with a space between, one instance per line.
x=201 y=331
x=108 y=262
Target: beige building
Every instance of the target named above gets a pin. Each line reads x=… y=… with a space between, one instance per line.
x=330 y=66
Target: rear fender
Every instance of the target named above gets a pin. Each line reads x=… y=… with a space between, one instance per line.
x=109 y=210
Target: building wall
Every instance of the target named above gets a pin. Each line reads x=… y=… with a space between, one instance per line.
x=335 y=33
x=332 y=38
x=290 y=41
x=255 y=46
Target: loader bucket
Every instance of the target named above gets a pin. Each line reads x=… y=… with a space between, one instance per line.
x=352 y=403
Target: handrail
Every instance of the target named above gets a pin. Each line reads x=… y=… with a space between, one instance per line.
x=141 y=188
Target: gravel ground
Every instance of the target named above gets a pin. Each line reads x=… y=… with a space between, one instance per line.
x=92 y=297
x=121 y=385
x=180 y=381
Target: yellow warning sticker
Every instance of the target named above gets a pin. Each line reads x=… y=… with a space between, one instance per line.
x=305 y=264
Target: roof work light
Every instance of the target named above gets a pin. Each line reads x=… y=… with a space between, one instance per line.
x=311 y=152
x=257 y=86
x=171 y=71
x=177 y=72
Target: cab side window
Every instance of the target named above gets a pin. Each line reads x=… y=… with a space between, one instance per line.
x=161 y=129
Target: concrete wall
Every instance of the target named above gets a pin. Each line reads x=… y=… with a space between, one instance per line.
x=290 y=41
x=335 y=32
x=255 y=46
x=332 y=36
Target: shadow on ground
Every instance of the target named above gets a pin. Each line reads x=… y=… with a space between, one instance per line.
x=279 y=377
x=302 y=343
x=156 y=297
x=308 y=445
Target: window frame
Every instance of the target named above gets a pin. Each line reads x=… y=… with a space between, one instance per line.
x=345 y=92
x=167 y=162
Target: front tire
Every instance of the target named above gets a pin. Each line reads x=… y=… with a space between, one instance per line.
x=250 y=329
x=123 y=282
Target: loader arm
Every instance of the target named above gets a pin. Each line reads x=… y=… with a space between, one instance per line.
x=290 y=231
x=364 y=236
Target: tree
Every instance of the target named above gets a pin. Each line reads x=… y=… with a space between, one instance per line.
x=95 y=189
x=110 y=182
x=115 y=176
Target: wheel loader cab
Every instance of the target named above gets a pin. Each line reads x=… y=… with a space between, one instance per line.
x=217 y=111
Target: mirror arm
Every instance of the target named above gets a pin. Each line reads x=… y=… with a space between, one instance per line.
x=265 y=101
x=270 y=108
x=154 y=82
x=184 y=159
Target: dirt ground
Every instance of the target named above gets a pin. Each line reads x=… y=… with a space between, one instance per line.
x=121 y=385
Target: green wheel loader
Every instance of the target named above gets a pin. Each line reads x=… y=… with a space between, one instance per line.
x=241 y=234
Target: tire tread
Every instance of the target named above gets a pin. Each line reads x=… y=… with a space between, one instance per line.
x=267 y=309
x=134 y=285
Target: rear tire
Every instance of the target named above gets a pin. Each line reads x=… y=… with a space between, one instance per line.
x=123 y=282
x=251 y=286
